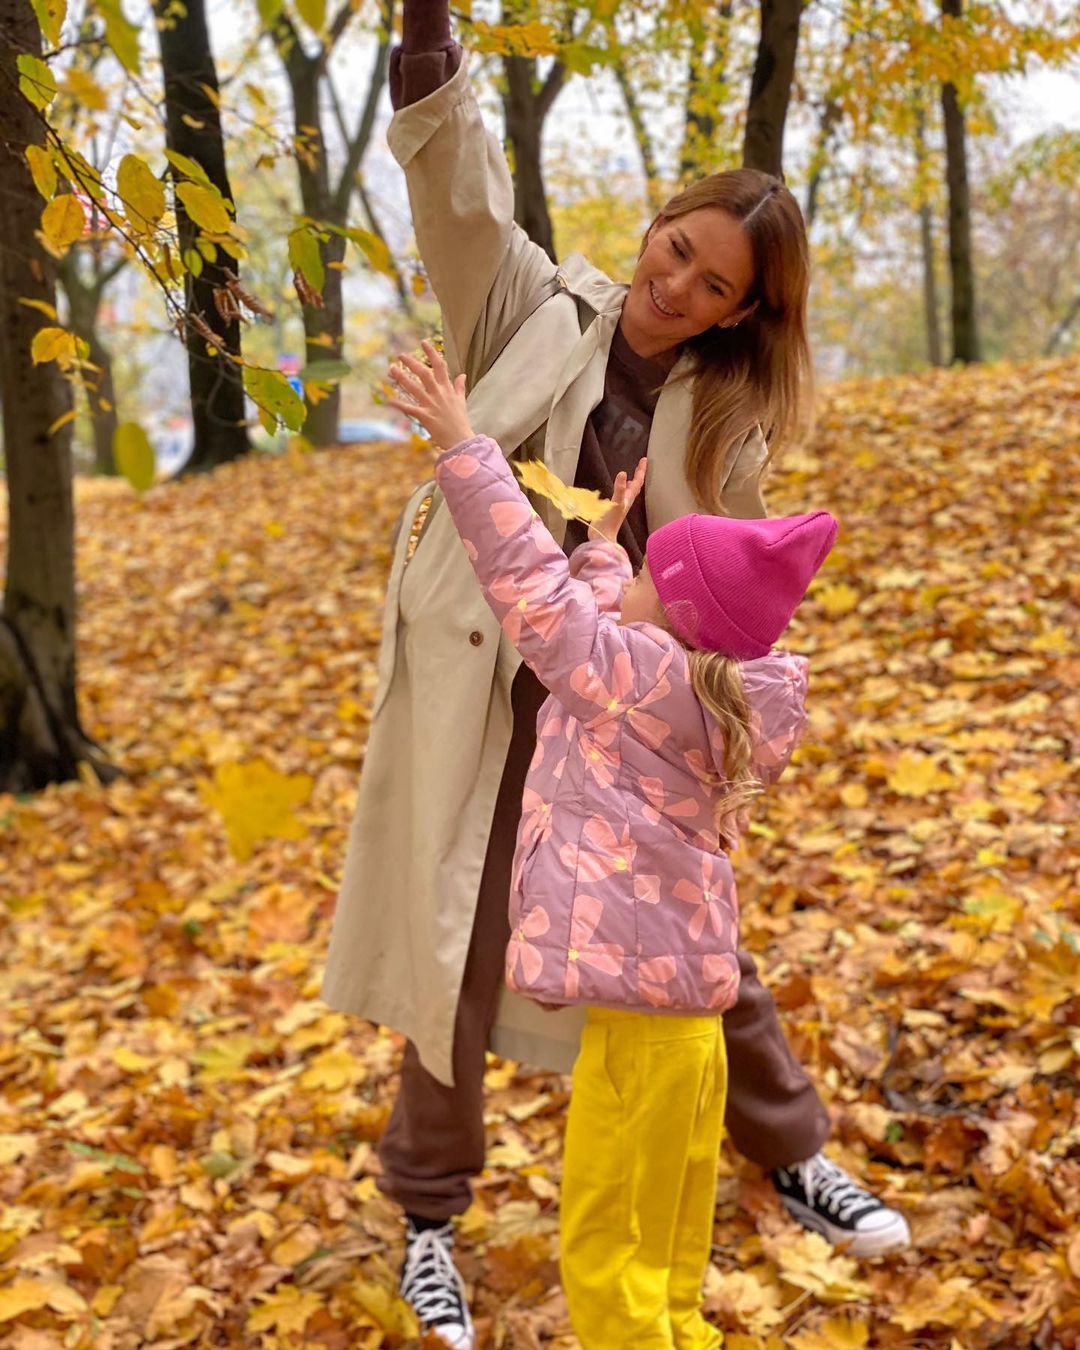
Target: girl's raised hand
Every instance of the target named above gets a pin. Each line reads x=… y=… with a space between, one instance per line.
x=625 y=495
x=433 y=399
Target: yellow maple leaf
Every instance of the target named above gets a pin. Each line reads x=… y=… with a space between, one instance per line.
x=286 y=1310
x=256 y=802
x=384 y=1308
x=332 y=1070
x=835 y=1333
x=916 y=775
x=571 y=502
x=837 y=599
x=810 y=1263
x=22 y=1296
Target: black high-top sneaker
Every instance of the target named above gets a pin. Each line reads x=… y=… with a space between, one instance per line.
x=825 y=1199
x=432 y=1285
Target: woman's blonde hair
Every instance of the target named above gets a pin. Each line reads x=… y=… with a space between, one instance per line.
x=757 y=373
x=717 y=681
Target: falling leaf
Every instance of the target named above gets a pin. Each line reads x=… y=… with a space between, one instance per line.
x=571 y=502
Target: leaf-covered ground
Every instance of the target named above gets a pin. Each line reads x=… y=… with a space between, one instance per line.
x=186 y=1132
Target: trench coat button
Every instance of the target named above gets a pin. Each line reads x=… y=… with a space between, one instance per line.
x=476 y=637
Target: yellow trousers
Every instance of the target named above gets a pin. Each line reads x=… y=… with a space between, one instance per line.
x=639 y=1180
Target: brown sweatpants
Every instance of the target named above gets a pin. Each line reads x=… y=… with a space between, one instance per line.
x=434 y=1142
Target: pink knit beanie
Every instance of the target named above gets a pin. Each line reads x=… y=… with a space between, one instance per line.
x=732 y=585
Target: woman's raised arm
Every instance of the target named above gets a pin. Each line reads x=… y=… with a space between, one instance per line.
x=483 y=268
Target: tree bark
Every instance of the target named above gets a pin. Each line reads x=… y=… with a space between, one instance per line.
x=41 y=740
x=322 y=199
x=706 y=71
x=217 y=389
x=84 y=302
x=931 y=310
x=526 y=104
x=961 y=261
x=770 y=87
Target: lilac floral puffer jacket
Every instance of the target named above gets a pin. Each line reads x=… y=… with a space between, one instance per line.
x=621 y=895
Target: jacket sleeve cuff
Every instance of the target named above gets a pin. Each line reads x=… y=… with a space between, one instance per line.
x=413 y=126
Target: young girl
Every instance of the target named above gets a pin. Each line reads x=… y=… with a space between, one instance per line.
x=667 y=707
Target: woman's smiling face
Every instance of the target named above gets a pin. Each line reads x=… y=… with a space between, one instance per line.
x=695 y=272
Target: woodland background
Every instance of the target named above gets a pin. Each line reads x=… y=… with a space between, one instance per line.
x=189 y=198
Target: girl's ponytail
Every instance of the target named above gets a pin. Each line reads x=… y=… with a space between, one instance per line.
x=717 y=682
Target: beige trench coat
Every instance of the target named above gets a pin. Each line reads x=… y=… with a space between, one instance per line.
x=442 y=720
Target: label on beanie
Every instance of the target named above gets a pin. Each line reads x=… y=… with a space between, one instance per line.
x=672 y=571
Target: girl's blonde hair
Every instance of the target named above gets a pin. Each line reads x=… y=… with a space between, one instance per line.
x=717 y=681
x=759 y=372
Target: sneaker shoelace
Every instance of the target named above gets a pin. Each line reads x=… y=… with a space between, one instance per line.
x=833 y=1188
x=431 y=1282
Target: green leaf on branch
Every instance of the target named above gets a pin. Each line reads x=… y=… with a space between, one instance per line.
x=134 y=455
x=42 y=170
x=188 y=167
x=325 y=372
x=275 y=397
x=36 y=83
x=141 y=192
x=304 y=256
x=206 y=207
x=268 y=11
x=193 y=261
x=121 y=34
x=50 y=15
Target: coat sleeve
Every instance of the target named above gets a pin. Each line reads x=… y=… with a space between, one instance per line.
x=605 y=569
x=776 y=694
x=742 y=493
x=575 y=647
x=483 y=268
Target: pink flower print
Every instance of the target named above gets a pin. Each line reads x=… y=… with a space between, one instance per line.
x=723 y=973
x=653 y=975
x=700 y=767
x=710 y=898
x=462 y=466
x=521 y=952
x=609 y=853
x=509 y=517
x=608 y=589
x=542 y=537
x=588 y=684
x=773 y=752
x=607 y=957
x=659 y=806
x=470 y=550
x=649 y=728
x=528 y=606
x=535 y=818
x=601 y=761
x=647 y=889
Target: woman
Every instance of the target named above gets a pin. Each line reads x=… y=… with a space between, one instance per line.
x=706 y=345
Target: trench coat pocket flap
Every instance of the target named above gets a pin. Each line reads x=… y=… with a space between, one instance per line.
x=529 y=1035
x=388 y=648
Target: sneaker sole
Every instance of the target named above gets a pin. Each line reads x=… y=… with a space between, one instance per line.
x=894 y=1237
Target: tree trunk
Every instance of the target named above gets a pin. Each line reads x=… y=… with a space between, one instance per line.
x=41 y=740
x=770 y=87
x=931 y=311
x=961 y=263
x=217 y=389
x=526 y=105
x=640 y=129
x=323 y=327
x=84 y=302
x=706 y=73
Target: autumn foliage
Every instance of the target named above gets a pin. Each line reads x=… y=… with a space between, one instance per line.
x=186 y=1132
